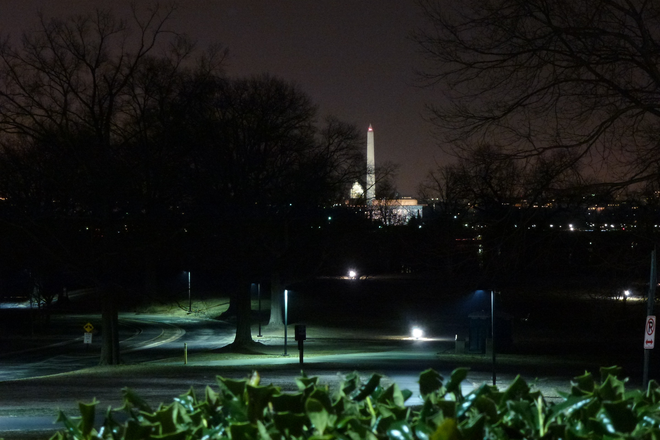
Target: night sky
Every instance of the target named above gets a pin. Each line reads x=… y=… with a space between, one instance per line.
x=354 y=58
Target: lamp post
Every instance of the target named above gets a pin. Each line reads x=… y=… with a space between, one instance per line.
x=286 y=317
x=189 y=297
x=259 y=314
x=492 y=330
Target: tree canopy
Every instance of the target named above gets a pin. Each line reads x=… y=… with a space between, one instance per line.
x=540 y=76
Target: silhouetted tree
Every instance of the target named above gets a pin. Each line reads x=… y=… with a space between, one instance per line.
x=263 y=170
x=505 y=203
x=83 y=134
x=537 y=76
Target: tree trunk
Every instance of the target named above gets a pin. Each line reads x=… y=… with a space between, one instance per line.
x=276 y=300
x=243 y=315
x=110 y=329
x=231 y=311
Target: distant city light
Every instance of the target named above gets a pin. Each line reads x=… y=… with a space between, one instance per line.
x=417 y=332
x=352 y=274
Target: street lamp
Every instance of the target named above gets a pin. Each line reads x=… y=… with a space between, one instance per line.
x=492 y=329
x=259 y=300
x=286 y=317
x=189 y=297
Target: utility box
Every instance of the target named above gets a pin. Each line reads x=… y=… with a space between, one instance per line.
x=301 y=332
x=481 y=337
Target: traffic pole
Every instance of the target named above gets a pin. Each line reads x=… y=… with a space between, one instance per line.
x=649 y=312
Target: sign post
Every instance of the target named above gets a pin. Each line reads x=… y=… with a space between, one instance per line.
x=301 y=335
x=87 y=336
x=649 y=334
x=649 y=328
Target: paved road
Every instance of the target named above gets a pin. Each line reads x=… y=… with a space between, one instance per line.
x=143 y=338
x=159 y=340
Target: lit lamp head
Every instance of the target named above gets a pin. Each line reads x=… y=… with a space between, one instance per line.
x=352 y=274
x=417 y=333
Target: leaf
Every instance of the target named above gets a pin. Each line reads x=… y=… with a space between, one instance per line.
x=243 y=431
x=187 y=400
x=399 y=431
x=521 y=414
x=133 y=400
x=429 y=382
x=569 y=406
x=398 y=412
x=177 y=435
x=291 y=423
x=465 y=406
x=448 y=408
x=428 y=410
x=474 y=429
x=350 y=383
x=485 y=405
x=619 y=415
x=392 y=395
x=87 y=412
x=447 y=430
x=584 y=384
x=288 y=403
x=518 y=389
x=254 y=379
x=258 y=398
x=235 y=388
x=612 y=389
x=211 y=397
x=422 y=431
x=263 y=432
x=137 y=431
x=457 y=377
x=368 y=388
x=317 y=414
x=610 y=371
x=69 y=426
x=383 y=423
x=322 y=396
x=165 y=418
x=303 y=382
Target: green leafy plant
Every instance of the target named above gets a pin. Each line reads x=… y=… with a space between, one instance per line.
x=247 y=410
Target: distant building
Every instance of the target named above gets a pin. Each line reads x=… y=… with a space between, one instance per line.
x=357 y=192
x=398 y=211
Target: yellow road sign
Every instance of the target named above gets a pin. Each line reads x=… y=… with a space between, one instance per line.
x=88 y=327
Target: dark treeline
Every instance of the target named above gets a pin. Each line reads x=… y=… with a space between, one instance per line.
x=124 y=151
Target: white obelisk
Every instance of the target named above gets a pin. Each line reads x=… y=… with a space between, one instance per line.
x=371 y=167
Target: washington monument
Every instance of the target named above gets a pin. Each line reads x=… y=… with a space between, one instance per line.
x=371 y=167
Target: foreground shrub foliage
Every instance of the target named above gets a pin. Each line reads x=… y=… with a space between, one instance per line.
x=245 y=410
